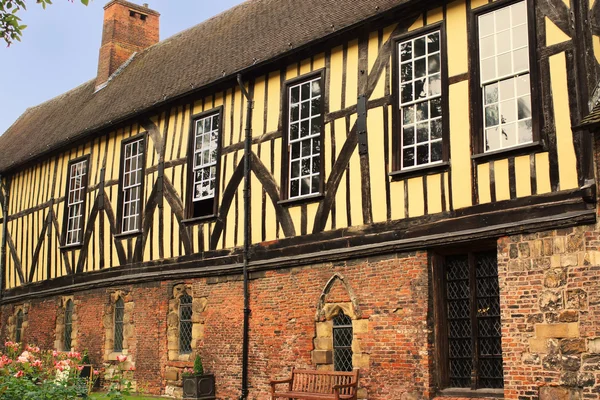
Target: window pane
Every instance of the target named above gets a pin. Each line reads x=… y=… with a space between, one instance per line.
x=304 y=139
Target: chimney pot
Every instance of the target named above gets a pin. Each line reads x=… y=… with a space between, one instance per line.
x=127 y=28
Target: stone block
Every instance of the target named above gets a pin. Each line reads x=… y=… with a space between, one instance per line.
x=559 y=393
x=572 y=346
x=559 y=245
x=551 y=362
x=322 y=357
x=551 y=301
x=568 y=316
x=172 y=374
x=360 y=361
x=568 y=260
x=577 y=299
x=590 y=362
x=586 y=379
x=362 y=393
x=594 y=345
x=513 y=251
x=323 y=344
x=538 y=345
x=360 y=326
x=562 y=330
x=570 y=362
x=324 y=329
x=555 y=278
x=524 y=250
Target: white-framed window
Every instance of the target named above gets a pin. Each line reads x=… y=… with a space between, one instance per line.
x=504 y=72
x=76 y=188
x=305 y=125
x=206 y=144
x=133 y=174
x=420 y=61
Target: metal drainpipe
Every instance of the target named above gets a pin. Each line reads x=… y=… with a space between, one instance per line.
x=4 y=233
x=246 y=249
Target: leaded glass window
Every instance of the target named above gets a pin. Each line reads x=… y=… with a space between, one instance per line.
x=420 y=61
x=119 y=314
x=68 y=325
x=133 y=174
x=185 y=324
x=473 y=321
x=504 y=76
x=19 y=327
x=75 y=202
x=206 y=143
x=305 y=124
x=342 y=342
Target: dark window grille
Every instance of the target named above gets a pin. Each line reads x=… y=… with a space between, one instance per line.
x=342 y=342
x=185 y=324
x=119 y=313
x=473 y=321
x=19 y=327
x=68 y=325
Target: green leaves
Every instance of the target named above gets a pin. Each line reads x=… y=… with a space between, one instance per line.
x=10 y=28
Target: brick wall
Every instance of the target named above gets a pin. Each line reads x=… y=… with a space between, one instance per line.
x=391 y=293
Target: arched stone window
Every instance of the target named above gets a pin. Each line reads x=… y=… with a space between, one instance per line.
x=68 y=325
x=342 y=342
x=19 y=326
x=185 y=324
x=17 y=323
x=118 y=324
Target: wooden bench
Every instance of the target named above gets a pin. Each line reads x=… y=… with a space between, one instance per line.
x=317 y=385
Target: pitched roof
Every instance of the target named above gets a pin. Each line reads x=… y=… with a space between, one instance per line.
x=250 y=33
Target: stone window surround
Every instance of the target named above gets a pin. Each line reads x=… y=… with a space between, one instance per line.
x=12 y=321
x=59 y=344
x=198 y=306
x=109 y=325
x=322 y=355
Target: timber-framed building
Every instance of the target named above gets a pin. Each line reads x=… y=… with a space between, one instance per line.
x=405 y=187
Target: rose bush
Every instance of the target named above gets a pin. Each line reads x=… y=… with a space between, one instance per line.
x=33 y=374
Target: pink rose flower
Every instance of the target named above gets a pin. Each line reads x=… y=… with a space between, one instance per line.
x=121 y=358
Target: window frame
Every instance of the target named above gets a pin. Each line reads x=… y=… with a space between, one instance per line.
x=190 y=322
x=120 y=207
x=441 y=348
x=68 y=339
x=19 y=320
x=189 y=201
x=115 y=322
x=397 y=169
x=334 y=347
x=85 y=184
x=285 y=153
x=476 y=91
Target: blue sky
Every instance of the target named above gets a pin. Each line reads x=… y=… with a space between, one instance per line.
x=59 y=48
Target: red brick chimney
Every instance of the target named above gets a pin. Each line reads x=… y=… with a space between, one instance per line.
x=128 y=28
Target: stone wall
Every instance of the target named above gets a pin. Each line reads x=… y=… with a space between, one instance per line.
x=550 y=298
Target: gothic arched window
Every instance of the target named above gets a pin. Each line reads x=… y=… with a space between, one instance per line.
x=68 y=325
x=19 y=327
x=119 y=313
x=185 y=324
x=342 y=342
